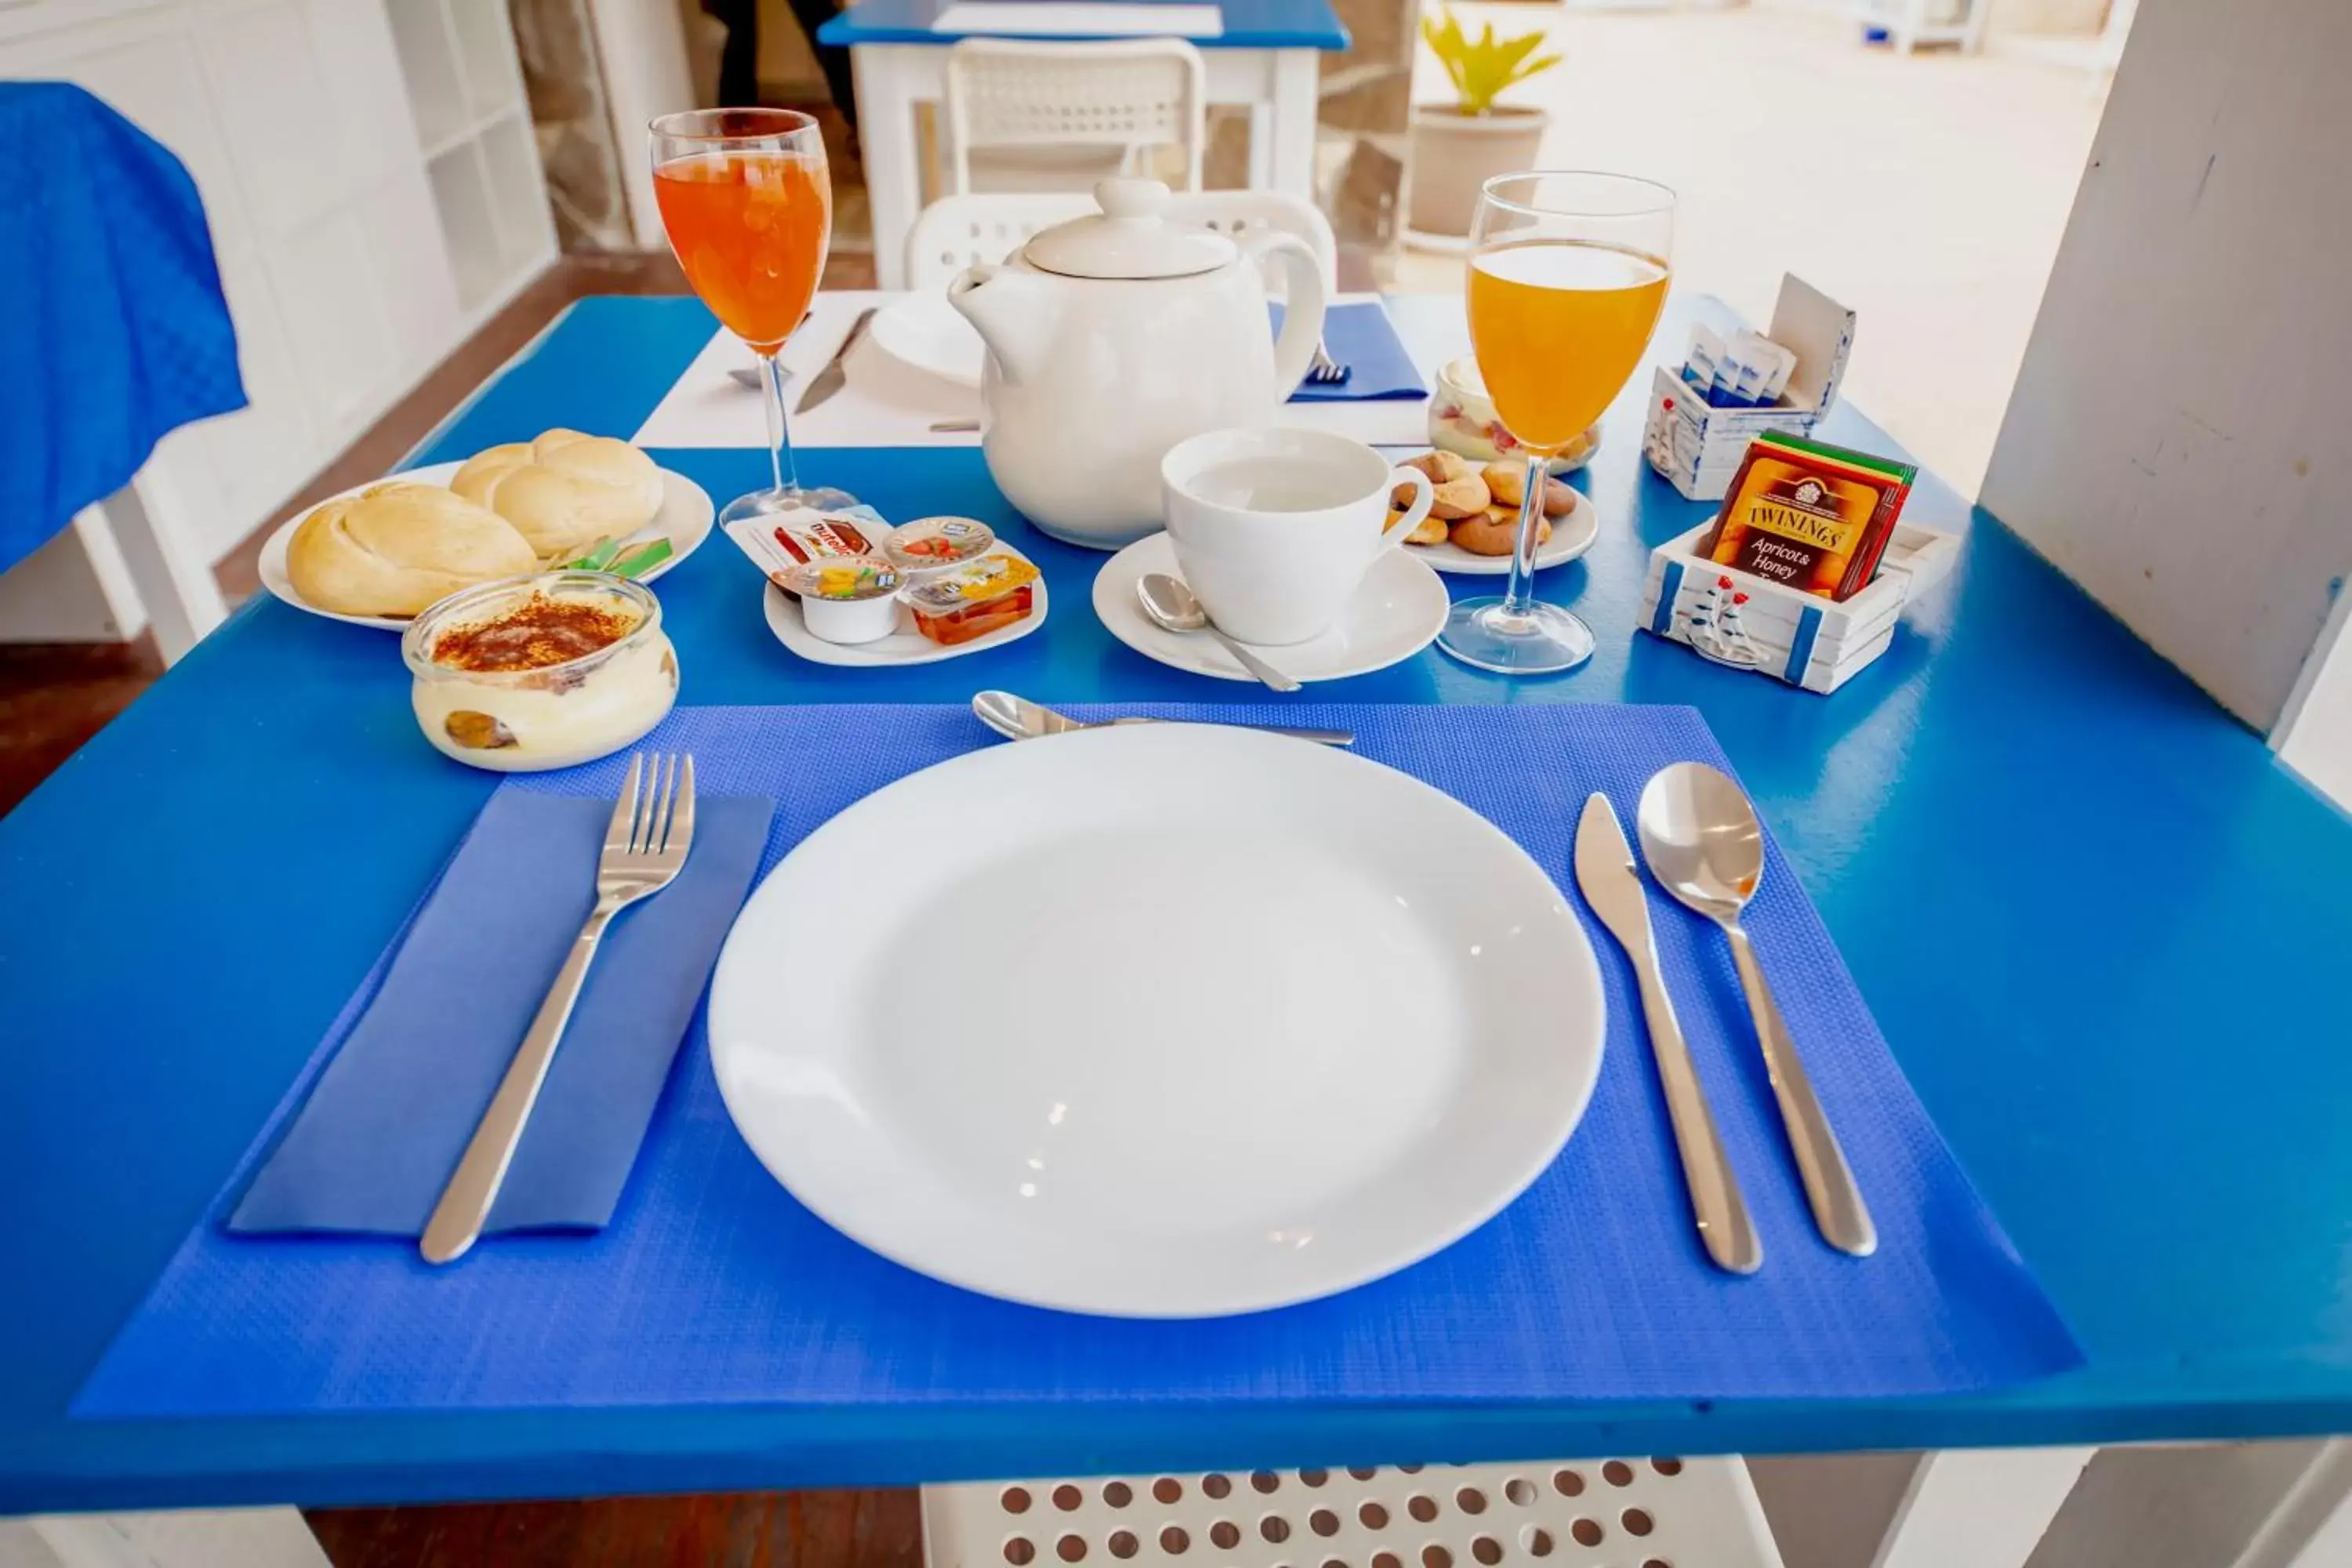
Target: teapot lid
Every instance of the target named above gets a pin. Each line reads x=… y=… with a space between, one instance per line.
x=1131 y=238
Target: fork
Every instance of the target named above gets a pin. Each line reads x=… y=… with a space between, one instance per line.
x=644 y=846
x=1324 y=371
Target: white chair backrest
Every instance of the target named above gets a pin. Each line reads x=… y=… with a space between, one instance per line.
x=954 y=232
x=1130 y=93
x=1238 y=212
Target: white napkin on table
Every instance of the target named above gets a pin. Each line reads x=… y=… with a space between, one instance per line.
x=888 y=404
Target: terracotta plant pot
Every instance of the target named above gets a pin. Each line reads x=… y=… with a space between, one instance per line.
x=1454 y=153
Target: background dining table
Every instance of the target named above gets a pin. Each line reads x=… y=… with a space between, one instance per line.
x=2097 y=923
x=1264 y=59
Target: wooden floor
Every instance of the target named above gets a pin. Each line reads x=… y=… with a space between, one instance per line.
x=750 y=1530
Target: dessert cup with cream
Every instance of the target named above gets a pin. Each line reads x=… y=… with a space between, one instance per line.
x=540 y=672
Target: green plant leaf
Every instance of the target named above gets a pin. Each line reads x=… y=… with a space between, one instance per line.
x=644 y=559
x=1483 y=66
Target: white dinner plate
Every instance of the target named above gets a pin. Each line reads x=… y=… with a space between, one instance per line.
x=1163 y=1020
x=1572 y=536
x=924 y=331
x=1398 y=611
x=904 y=646
x=685 y=516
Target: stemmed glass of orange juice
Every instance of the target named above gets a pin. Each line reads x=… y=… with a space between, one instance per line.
x=748 y=203
x=1568 y=273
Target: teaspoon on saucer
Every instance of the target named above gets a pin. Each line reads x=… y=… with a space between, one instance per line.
x=1172 y=607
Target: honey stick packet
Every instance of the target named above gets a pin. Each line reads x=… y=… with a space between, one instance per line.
x=1809 y=516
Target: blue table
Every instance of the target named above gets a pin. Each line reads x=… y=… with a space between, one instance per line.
x=2097 y=923
x=1265 y=57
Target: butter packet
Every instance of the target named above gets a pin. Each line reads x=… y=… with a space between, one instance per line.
x=1808 y=515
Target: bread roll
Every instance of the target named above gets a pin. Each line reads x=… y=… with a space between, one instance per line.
x=565 y=490
x=394 y=549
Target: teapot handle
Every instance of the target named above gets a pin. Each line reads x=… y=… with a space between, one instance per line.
x=1302 y=316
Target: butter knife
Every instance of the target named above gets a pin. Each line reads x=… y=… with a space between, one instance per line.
x=1018 y=719
x=1611 y=884
x=835 y=375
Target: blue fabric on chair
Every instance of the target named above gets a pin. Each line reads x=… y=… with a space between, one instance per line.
x=112 y=328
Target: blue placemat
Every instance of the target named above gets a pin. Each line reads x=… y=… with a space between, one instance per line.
x=1359 y=335
x=711 y=1286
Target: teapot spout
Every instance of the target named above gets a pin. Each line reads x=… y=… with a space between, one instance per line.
x=1011 y=311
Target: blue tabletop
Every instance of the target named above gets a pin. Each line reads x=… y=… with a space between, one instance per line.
x=1248 y=25
x=2097 y=923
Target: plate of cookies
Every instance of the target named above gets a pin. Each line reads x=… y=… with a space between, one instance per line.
x=378 y=554
x=1473 y=519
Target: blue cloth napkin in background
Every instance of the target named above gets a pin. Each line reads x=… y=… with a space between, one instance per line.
x=375 y=1143
x=113 y=327
x=1361 y=336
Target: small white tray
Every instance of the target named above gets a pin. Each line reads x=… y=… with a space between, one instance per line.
x=905 y=646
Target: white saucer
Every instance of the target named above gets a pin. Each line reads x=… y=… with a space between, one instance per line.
x=924 y=331
x=685 y=517
x=1572 y=536
x=1398 y=611
x=905 y=646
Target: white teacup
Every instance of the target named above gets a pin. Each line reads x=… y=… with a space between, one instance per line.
x=1274 y=529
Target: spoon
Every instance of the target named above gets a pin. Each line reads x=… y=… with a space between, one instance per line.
x=1703 y=843
x=1172 y=607
x=1018 y=719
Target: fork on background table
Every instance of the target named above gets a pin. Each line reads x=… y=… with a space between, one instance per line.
x=1324 y=371
x=645 y=844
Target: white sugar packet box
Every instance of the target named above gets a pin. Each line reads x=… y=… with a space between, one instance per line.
x=1743 y=621
x=1697 y=447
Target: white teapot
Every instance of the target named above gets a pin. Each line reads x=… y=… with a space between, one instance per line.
x=1114 y=336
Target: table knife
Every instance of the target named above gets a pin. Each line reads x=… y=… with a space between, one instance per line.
x=1611 y=884
x=835 y=375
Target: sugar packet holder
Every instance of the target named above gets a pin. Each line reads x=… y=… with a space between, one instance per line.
x=1697 y=445
x=1743 y=621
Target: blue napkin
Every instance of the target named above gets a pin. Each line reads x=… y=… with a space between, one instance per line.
x=376 y=1141
x=113 y=327
x=1361 y=337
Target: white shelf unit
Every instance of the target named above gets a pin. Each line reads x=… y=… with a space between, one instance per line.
x=473 y=125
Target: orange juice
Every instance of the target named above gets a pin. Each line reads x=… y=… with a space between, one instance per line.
x=751 y=230
x=1559 y=325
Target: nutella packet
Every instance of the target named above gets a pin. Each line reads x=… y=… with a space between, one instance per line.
x=777 y=543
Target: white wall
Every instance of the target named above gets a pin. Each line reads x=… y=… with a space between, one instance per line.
x=2176 y=442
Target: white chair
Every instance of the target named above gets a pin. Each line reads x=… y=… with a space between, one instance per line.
x=954 y=232
x=1574 y=1513
x=1055 y=116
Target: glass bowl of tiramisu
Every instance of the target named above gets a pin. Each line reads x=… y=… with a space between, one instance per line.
x=540 y=672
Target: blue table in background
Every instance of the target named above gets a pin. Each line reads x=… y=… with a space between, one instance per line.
x=1265 y=57
x=2099 y=925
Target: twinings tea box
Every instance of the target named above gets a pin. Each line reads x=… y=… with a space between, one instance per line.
x=1812 y=516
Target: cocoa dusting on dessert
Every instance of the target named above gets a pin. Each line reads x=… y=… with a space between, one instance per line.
x=535 y=633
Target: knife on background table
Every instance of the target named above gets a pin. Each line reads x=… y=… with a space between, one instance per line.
x=835 y=375
x=1611 y=884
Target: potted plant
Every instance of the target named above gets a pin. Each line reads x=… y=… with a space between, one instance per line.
x=1458 y=146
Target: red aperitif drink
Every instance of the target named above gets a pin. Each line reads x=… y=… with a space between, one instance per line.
x=750 y=228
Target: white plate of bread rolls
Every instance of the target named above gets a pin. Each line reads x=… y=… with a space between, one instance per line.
x=1474 y=518
x=378 y=554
